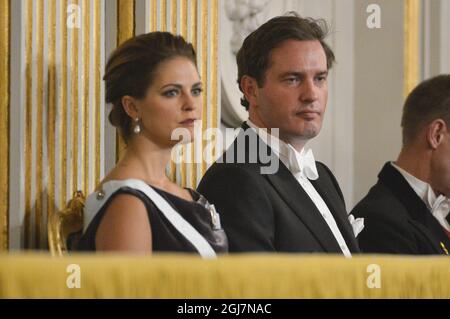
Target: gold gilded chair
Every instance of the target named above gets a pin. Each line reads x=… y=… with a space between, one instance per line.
x=65 y=223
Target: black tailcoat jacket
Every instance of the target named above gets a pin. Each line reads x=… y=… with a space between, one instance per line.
x=396 y=220
x=272 y=212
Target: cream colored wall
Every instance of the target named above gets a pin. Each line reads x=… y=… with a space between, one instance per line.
x=378 y=92
x=436 y=38
x=380 y=75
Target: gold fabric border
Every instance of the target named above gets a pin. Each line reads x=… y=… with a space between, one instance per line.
x=244 y=276
x=125 y=29
x=4 y=121
x=411 y=46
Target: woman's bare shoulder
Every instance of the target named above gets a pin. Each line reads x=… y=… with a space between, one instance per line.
x=125 y=225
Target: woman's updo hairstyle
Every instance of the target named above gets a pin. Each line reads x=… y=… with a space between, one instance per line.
x=131 y=67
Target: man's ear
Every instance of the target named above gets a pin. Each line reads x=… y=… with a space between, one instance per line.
x=129 y=104
x=250 y=88
x=436 y=131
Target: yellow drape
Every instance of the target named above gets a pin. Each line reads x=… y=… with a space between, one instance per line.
x=232 y=276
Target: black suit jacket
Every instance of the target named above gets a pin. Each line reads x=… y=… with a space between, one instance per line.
x=397 y=221
x=272 y=212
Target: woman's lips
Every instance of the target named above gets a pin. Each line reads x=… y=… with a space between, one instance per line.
x=188 y=122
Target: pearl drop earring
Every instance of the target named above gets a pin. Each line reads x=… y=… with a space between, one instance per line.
x=137 y=127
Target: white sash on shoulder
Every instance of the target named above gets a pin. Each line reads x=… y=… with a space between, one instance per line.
x=96 y=201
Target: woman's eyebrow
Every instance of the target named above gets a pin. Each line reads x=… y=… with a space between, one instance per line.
x=178 y=86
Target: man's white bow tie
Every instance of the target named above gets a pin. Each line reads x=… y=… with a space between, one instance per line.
x=303 y=163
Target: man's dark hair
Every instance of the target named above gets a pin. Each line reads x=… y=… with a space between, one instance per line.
x=430 y=100
x=253 y=58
